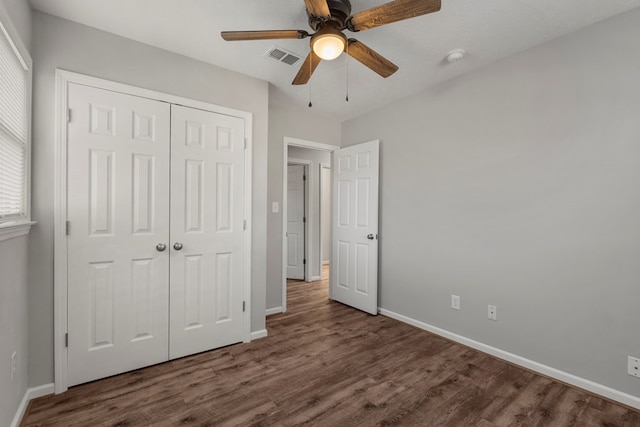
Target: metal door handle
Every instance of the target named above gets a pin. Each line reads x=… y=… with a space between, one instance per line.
x=161 y=247
x=370 y=236
x=177 y=246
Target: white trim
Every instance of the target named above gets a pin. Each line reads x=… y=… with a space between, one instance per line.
x=248 y=193
x=274 y=310
x=258 y=334
x=63 y=79
x=30 y=394
x=9 y=230
x=22 y=408
x=316 y=278
x=309 y=144
x=39 y=391
x=308 y=196
x=583 y=383
x=320 y=207
x=59 y=233
x=285 y=159
x=326 y=262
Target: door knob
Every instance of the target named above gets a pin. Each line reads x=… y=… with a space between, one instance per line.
x=161 y=247
x=370 y=236
x=177 y=246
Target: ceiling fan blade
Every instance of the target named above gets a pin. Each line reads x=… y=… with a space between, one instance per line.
x=371 y=58
x=393 y=11
x=318 y=8
x=263 y=35
x=307 y=69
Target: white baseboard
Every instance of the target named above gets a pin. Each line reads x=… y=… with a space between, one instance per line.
x=325 y=262
x=316 y=278
x=274 y=310
x=31 y=393
x=258 y=334
x=583 y=383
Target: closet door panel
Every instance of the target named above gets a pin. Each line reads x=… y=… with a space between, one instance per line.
x=207 y=215
x=118 y=210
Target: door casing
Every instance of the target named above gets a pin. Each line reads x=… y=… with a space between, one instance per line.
x=63 y=79
x=324 y=227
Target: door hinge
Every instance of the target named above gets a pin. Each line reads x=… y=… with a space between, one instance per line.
x=304 y=262
x=304 y=177
x=66 y=340
x=245 y=143
x=304 y=219
x=244 y=306
x=68 y=115
x=67 y=227
x=244 y=224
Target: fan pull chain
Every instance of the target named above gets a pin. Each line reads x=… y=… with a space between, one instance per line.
x=308 y=83
x=347 y=97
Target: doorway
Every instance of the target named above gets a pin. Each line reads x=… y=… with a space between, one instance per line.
x=318 y=157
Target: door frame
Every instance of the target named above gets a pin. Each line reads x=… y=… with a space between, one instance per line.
x=307 y=224
x=63 y=78
x=285 y=159
x=324 y=166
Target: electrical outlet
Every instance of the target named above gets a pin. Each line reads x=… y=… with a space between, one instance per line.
x=13 y=365
x=455 y=302
x=493 y=312
x=634 y=367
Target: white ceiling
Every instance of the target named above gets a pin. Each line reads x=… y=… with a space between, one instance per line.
x=488 y=30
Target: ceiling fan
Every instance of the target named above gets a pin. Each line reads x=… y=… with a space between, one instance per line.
x=328 y=18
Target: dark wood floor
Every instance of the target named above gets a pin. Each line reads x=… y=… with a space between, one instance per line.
x=325 y=364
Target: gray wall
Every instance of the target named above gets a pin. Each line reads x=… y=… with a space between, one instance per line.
x=14 y=319
x=13 y=325
x=20 y=13
x=316 y=157
x=300 y=123
x=518 y=186
x=74 y=47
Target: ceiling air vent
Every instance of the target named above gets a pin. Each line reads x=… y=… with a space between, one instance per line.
x=282 y=55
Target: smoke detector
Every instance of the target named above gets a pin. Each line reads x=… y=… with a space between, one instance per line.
x=455 y=55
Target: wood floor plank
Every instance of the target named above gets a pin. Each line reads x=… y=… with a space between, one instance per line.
x=325 y=364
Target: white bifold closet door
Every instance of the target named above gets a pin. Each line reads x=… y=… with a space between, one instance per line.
x=155 y=242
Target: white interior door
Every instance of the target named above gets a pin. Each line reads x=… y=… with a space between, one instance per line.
x=207 y=220
x=354 y=263
x=295 y=222
x=118 y=211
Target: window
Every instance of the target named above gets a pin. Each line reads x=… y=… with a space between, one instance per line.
x=15 y=89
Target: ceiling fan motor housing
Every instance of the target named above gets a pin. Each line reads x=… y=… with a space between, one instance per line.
x=340 y=13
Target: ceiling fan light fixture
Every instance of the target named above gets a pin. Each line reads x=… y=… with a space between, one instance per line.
x=328 y=43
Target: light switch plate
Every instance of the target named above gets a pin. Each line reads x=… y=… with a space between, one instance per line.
x=492 y=312
x=633 y=367
x=455 y=302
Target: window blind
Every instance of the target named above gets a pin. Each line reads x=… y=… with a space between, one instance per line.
x=13 y=130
